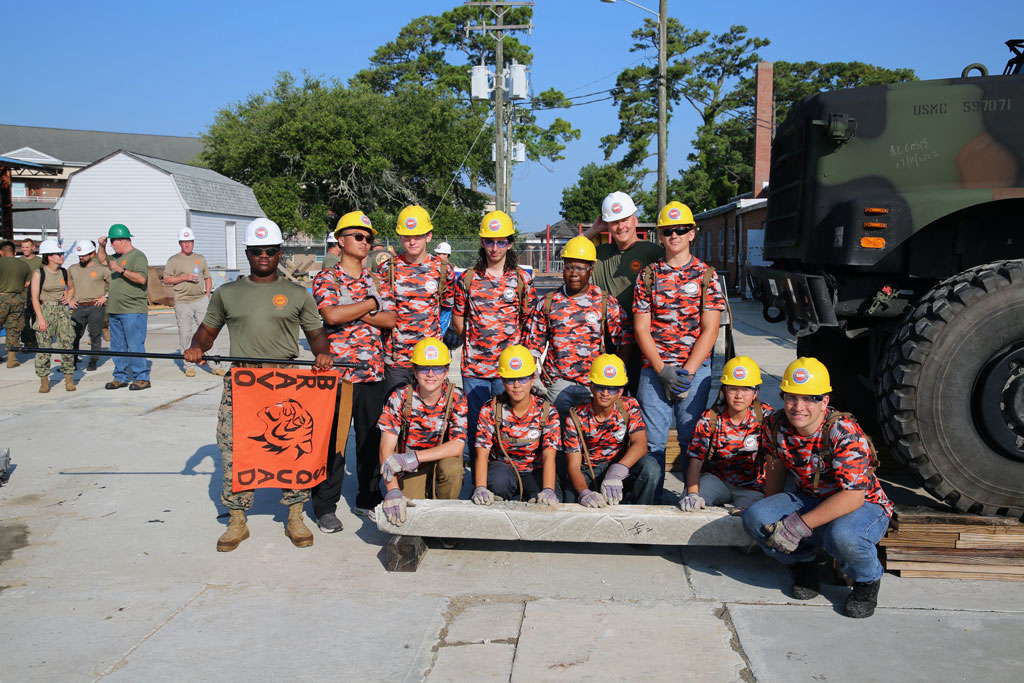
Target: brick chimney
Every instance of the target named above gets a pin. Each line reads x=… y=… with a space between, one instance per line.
x=764 y=123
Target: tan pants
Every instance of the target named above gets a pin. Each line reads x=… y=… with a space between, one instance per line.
x=440 y=480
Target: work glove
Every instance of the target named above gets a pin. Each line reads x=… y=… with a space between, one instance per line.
x=611 y=487
x=394 y=506
x=452 y=339
x=372 y=293
x=592 y=499
x=546 y=497
x=399 y=462
x=786 y=534
x=692 y=502
x=675 y=380
x=483 y=496
x=344 y=297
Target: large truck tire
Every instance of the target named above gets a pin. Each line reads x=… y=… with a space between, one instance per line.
x=951 y=390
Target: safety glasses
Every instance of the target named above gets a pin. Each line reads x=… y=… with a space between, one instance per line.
x=500 y=244
x=268 y=251
x=431 y=369
x=518 y=380
x=576 y=269
x=359 y=236
x=793 y=399
x=679 y=230
x=600 y=388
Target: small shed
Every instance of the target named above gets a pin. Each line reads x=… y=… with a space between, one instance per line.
x=155 y=198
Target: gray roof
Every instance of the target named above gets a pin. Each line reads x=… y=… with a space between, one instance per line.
x=206 y=190
x=86 y=146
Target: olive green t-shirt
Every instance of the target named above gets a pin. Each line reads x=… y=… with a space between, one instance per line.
x=14 y=273
x=615 y=271
x=33 y=262
x=263 y=318
x=330 y=260
x=51 y=286
x=91 y=281
x=180 y=264
x=126 y=296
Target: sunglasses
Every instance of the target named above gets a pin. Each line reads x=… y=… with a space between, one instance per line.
x=682 y=230
x=500 y=244
x=519 y=380
x=598 y=388
x=793 y=399
x=268 y=251
x=360 y=236
x=432 y=369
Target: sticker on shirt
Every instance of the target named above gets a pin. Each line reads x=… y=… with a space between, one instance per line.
x=620 y=433
x=431 y=286
x=591 y=317
x=533 y=434
x=750 y=443
x=509 y=295
x=635 y=266
x=691 y=289
x=280 y=301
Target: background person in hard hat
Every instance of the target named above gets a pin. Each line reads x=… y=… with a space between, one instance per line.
x=676 y=312
x=193 y=285
x=838 y=503
x=515 y=455
x=493 y=303
x=619 y=262
x=128 y=306
x=573 y=323
x=444 y=251
x=354 y=321
x=15 y=276
x=423 y=433
x=605 y=443
x=333 y=254
x=726 y=443
x=90 y=280
x=263 y=315
x=52 y=294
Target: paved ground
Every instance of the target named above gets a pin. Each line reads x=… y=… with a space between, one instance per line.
x=108 y=571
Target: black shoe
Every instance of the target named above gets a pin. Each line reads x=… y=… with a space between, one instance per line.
x=114 y=385
x=329 y=523
x=139 y=385
x=805 y=580
x=91 y=366
x=863 y=600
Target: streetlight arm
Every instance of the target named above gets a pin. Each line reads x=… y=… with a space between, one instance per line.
x=630 y=2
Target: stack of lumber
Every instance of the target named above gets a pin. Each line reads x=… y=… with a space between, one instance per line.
x=930 y=543
x=674 y=460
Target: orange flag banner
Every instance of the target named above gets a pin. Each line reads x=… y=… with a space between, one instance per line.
x=281 y=427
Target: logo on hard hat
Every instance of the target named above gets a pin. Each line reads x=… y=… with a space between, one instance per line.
x=411 y=222
x=364 y=219
x=515 y=363
x=261 y=232
x=494 y=225
x=280 y=301
x=673 y=213
x=609 y=371
x=739 y=372
x=186 y=235
x=616 y=208
x=430 y=353
x=800 y=376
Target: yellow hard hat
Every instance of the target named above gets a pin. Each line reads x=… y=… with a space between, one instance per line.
x=354 y=219
x=608 y=371
x=414 y=220
x=807 y=376
x=581 y=248
x=516 y=361
x=496 y=224
x=741 y=371
x=430 y=351
x=675 y=213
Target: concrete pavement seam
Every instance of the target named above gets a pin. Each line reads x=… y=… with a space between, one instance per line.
x=747 y=673
x=163 y=406
x=120 y=662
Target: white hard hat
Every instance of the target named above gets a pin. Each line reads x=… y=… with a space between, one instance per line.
x=443 y=248
x=617 y=206
x=186 y=235
x=50 y=247
x=83 y=247
x=331 y=239
x=262 y=231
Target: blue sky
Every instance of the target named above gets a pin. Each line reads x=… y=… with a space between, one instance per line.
x=166 y=68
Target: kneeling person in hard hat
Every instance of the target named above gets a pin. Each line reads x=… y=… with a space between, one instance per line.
x=263 y=315
x=838 y=503
x=573 y=323
x=517 y=438
x=423 y=433
x=726 y=443
x=193 y=285
x=605 y=443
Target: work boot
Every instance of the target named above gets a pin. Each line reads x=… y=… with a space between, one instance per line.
x=220 y=372
x=190 y=372
x=805 y=580
x=297 y=530
x=862 y=601
x=12 y=359
x=69 y=383
x=92 y=364
x=236 y=532
x=44 y=385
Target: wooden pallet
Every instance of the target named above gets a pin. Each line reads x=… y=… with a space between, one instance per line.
x=931 y=543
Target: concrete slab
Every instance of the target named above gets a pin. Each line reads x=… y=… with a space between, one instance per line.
x=814 y=643
x=648 y=524
x=483 y=662
x=486 y=622
x=594 y=640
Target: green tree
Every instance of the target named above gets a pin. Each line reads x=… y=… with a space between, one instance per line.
x=580 y=201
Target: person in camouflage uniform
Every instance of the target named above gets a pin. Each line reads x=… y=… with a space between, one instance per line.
x=351 y=308
x=677 y=307
x=15 y=274
x=726 y=443
x=52 y=293
x=574 y=323
x=493 y=302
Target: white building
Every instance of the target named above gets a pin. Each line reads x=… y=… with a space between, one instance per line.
x=155 y=198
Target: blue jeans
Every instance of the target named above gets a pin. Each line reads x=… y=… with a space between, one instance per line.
x=503 y=482
x=566 y=395
x=660 y=413
x=479 y=391
x=128 y=333
x=637 y=488
x=850 y=539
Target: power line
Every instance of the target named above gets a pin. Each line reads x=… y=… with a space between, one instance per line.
x=461 y=166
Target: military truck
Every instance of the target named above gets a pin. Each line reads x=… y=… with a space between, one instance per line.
x=895 y=232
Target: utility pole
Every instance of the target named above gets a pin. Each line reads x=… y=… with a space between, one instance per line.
x=662 y=105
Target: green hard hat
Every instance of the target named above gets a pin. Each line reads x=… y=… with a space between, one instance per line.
x=118 y=231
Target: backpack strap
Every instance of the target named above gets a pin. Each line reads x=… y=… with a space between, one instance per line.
x=548 y=299
x=449 y=403
x=649 y=281
x=574 y=417
x=712 y=449
x=604 y=320
x=826 y=455
x=705 y=283
x=758 y=412
x=403 y=431
x=442 y=284
x=521 y=296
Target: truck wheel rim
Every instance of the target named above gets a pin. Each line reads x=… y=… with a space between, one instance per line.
x=998 y=402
